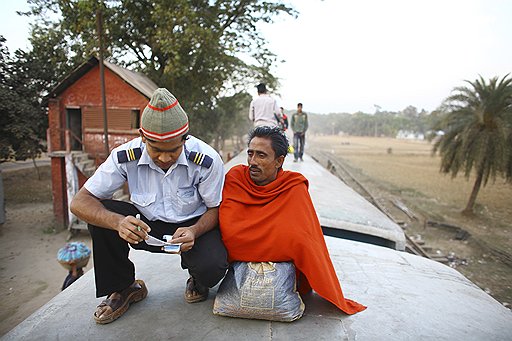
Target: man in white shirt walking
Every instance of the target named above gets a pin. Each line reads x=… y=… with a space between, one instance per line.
x=264 y=110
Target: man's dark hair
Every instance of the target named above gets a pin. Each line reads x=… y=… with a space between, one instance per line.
x=261 y=88
x=277 y=138
x=299 y=104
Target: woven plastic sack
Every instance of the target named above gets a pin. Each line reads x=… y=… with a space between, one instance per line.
x=265 y=291
x=74 y=253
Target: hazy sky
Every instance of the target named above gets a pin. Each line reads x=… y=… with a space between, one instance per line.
x=347 y=56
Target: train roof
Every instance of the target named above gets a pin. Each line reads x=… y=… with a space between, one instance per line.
x=408 y=298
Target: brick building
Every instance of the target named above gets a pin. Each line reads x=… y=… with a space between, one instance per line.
x=76 y=132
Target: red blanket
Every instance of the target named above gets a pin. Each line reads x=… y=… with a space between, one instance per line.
x=277 y=222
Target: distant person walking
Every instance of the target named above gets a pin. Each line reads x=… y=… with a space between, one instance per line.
x=264 y=110
x=299 y=127
x=284 y=119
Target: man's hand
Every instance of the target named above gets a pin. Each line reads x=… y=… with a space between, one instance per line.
x=186 y=236
x=132 y=230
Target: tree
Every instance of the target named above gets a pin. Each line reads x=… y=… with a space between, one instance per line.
x=477 y=125
x=231 y=113
x=53 y=57
x=198 y=49
x=25 y=79
x=21 y=130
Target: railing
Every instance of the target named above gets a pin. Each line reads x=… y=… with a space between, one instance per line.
x=69 y=136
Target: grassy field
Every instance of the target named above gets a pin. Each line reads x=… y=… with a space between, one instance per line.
x=409 y=165
x=407 y=169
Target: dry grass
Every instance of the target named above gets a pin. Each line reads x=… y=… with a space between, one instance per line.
x=406 y=169
x=410 y=165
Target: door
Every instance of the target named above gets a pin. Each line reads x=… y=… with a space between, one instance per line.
x=74 y=124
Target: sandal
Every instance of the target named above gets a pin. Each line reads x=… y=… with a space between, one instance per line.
x=120 y=302
x=195 y=292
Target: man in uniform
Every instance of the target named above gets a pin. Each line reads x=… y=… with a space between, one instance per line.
x=175 y=182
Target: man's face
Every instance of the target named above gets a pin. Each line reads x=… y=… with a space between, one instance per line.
x=263 y=165
x=164 y=154
x=299 y=109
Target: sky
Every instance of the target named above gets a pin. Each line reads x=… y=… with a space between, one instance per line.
x=349 y=56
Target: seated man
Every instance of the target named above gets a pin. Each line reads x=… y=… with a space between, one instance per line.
x=267 y=215
x=175 y=184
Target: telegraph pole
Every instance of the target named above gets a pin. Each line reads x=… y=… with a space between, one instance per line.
x=99 y=25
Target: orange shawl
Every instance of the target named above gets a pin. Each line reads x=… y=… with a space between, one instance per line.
x=277 y=222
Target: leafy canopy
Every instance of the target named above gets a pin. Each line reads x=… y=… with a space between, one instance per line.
x=200 y=50
x=21 y=119
x=477 y=126
x=25 y=78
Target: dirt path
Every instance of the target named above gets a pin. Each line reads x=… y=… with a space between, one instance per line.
x=30 y=275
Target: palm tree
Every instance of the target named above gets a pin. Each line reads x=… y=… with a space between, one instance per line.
x=477 y=125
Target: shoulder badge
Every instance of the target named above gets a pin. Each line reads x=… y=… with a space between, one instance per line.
x=201 y=159
x=128 y=155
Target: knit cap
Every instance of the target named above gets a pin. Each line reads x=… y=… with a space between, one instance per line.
x=163 y=118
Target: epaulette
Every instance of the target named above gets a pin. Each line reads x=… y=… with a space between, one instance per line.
x=201 y=159
x=128 y=155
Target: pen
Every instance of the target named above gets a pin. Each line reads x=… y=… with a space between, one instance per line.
x=138 y=217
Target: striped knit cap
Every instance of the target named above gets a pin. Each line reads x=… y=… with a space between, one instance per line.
x=163 y=118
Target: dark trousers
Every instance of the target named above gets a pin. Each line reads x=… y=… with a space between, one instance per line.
x=298 y=144
x=206 y=261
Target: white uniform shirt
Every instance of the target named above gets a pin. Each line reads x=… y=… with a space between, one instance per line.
x=185 y=191
x=262 y=111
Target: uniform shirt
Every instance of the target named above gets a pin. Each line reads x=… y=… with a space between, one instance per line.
x=263 y=109
x=185 y=191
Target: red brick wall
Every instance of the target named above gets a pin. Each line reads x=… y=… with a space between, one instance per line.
x=94 y=143
x=56 y=135
x=86 y=92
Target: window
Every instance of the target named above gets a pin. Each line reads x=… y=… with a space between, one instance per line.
x=135 y=119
